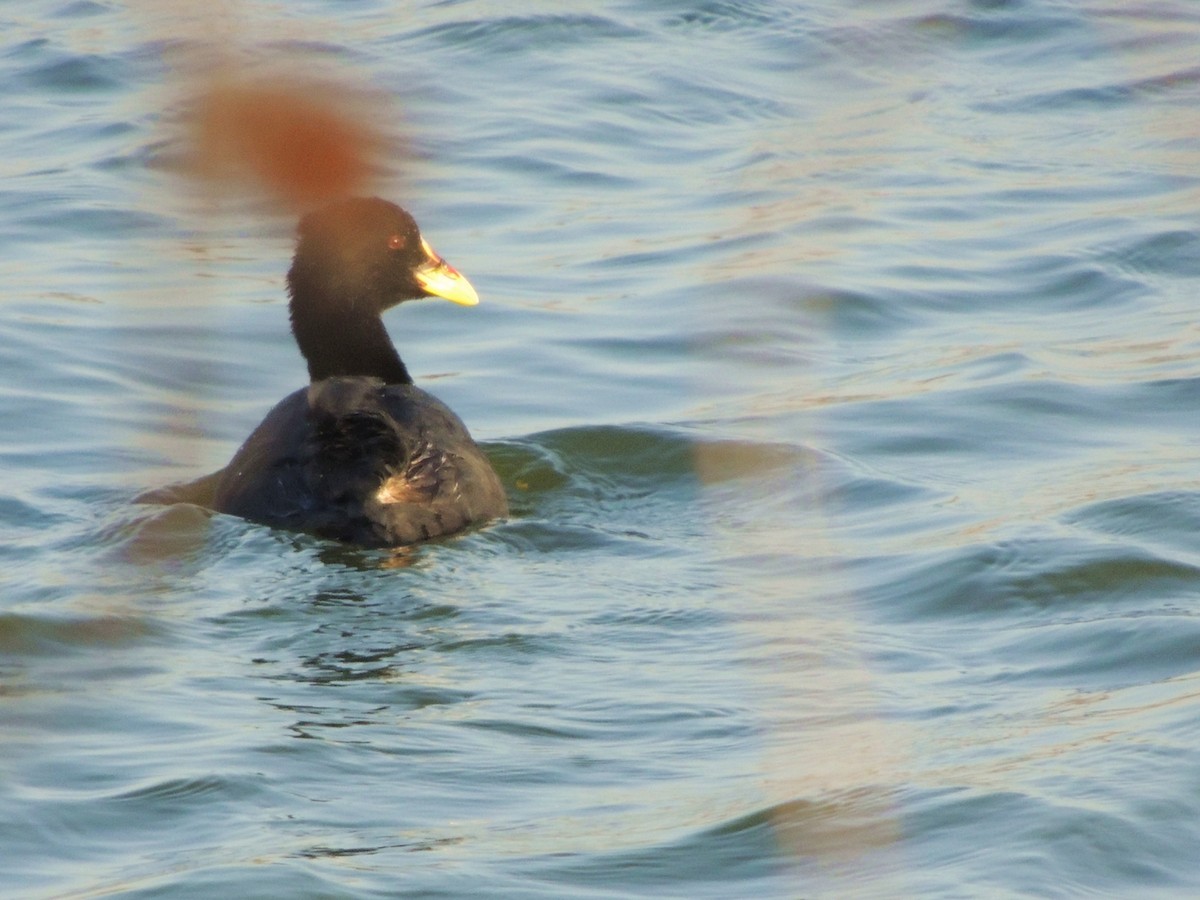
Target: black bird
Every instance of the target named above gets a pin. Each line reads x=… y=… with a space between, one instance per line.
x=361 y=455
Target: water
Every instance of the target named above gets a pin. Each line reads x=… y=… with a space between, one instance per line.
x=840 y=360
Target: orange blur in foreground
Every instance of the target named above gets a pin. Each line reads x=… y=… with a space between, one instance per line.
x=299 y=144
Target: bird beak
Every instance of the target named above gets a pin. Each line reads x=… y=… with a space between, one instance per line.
x=440 y=279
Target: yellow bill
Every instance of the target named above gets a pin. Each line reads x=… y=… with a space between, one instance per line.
x=440 y=279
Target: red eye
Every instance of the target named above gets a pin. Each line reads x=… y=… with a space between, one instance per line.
x=397 y=242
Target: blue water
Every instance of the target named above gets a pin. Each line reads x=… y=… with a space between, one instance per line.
x=840 y=360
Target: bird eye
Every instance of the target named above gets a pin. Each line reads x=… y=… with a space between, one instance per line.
x=397 y=242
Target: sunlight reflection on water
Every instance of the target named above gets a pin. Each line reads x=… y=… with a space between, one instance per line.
x=840 y=365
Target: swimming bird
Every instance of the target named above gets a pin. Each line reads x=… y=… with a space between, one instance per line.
x=361 y=455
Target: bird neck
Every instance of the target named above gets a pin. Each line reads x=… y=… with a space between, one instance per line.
x=347 y=345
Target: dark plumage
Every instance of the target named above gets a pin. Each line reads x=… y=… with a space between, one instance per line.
x=361 y=455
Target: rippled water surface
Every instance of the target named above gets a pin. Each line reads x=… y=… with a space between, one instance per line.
x=840 y=360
